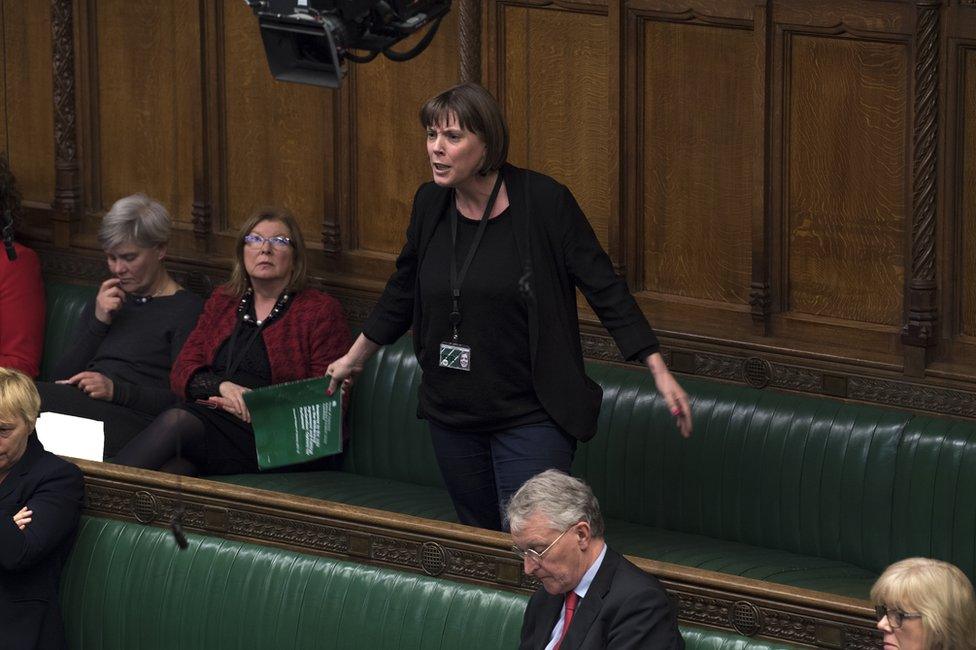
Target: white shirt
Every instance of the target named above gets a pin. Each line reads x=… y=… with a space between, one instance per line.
x=581 y=589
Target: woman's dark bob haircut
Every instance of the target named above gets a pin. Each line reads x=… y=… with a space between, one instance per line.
x=240 y=281
x=476 y=111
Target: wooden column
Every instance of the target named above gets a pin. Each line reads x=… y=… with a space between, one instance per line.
x=469 y=40
x=919 y=334
x=67 y=192
x=207 y=122
x=760 y=286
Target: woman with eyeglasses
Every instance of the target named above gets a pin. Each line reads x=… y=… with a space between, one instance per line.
x=925 y=604
x=263 y=327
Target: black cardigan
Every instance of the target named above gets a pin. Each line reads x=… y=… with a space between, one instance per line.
x=558 y=246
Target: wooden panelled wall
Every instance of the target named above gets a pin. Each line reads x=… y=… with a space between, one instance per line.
x=788 y=185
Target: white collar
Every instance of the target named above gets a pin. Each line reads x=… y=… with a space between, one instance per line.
x=587 y=579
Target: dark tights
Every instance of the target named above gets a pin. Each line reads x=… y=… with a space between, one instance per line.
x=174 y=442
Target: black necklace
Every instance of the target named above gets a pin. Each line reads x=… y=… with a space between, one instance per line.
x=143 y=300
x=244 y=308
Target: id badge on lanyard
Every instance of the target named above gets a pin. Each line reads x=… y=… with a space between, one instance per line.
x=454 y=354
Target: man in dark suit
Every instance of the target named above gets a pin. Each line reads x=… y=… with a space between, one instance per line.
x=591 y=597
x=40 y=503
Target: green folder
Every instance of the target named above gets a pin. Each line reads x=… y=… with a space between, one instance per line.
x=295 y=422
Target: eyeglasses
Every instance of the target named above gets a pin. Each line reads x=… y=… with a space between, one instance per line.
x=895 y=616
x=534 y=555
x=278 y=241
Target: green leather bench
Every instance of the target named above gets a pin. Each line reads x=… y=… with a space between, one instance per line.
x=64 y=304
x=128 y=586
x=808 y=492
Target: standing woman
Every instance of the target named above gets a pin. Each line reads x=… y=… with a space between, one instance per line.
x=488 y=278
x=262 y=328
x=116 y=368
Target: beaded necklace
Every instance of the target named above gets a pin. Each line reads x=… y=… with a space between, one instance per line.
x=244 y=316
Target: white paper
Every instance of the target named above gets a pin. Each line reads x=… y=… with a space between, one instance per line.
x=69 y=435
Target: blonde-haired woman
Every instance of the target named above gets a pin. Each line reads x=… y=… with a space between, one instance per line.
x=925 y=604
x=40 y=503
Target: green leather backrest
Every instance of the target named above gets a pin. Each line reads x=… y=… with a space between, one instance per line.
x=809 y=475
x=65 y=302
x=127 y=586
x=388 y=439
x=935 y=493
x=816 y=476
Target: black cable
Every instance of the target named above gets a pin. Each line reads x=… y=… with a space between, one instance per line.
x=362 y=59
x=419 y=47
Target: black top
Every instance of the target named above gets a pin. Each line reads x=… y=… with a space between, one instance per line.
x=252 y=369
x=497 y=392
x=229 y=447
x=553 y=237
x=137 y=350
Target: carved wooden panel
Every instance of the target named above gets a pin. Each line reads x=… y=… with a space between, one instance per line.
x=698 y=135
x=554 y=82
x=697 y=163
x=388 y=150
x=27 y=127
x=967 y=190
x=277 y=147
x=846 y=122
x=148 y=95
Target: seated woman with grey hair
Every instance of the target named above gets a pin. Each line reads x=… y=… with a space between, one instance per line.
x=117 y=367
x=925 y=604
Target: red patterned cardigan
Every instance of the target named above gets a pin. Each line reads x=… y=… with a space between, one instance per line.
x=311 y=334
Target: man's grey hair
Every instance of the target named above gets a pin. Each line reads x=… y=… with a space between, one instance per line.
x=135 y=219
x=558 y=497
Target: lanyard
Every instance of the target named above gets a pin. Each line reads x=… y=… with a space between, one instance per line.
x=458 y=278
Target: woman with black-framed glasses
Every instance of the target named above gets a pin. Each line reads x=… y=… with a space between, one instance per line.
x=925 y=604
x=263 y=327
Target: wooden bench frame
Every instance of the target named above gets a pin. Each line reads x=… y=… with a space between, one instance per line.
x=749 y=607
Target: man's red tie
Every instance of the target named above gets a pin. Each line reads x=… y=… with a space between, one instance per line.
x=571 y=600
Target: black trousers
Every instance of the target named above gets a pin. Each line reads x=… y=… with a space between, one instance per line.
x=483 y=470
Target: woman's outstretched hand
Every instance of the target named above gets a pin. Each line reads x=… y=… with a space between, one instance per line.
x=674 y=395
x=344 y=370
